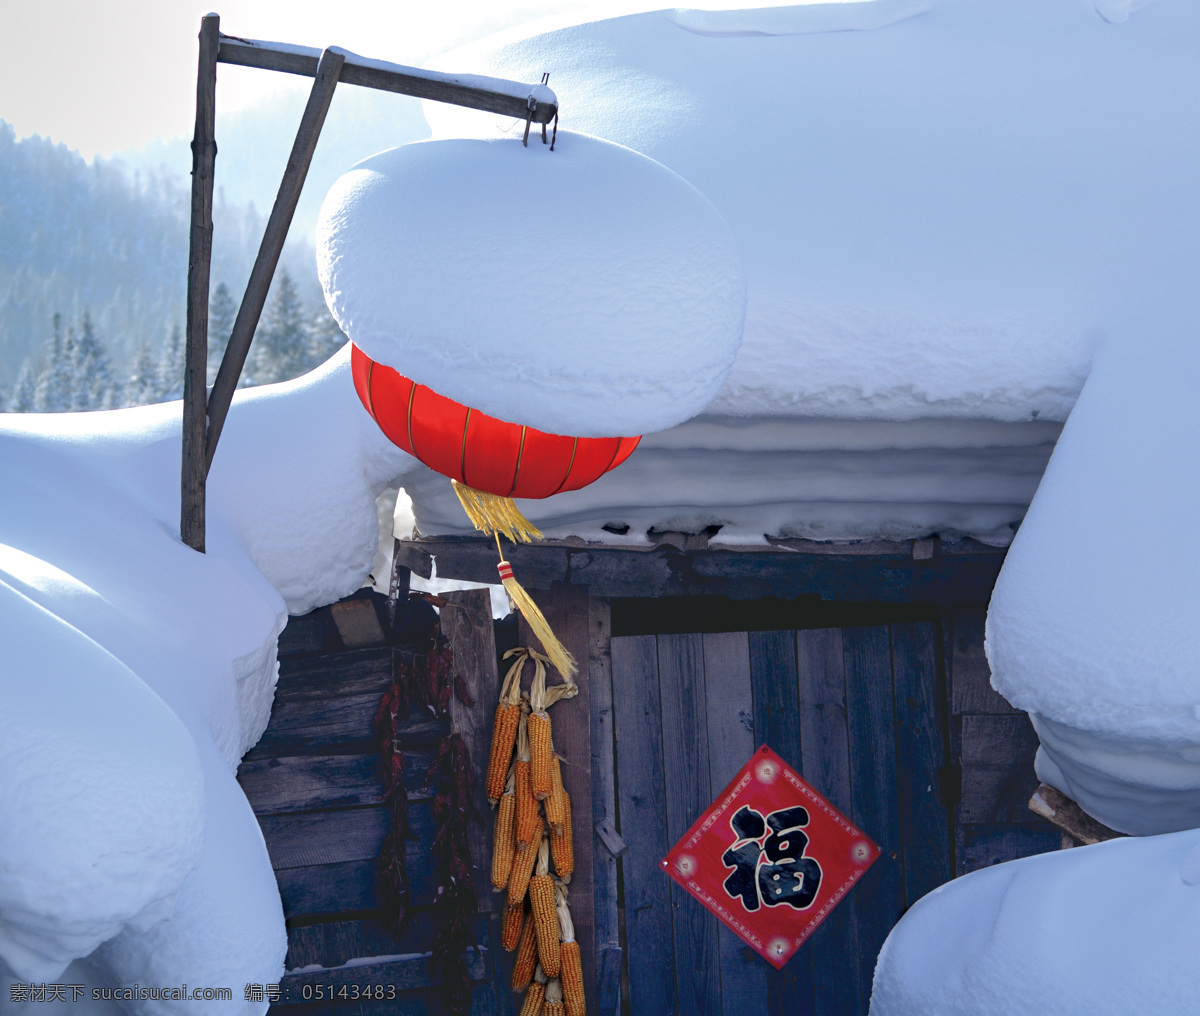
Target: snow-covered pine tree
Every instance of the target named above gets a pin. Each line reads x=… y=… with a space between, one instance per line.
x=94 y=380
x=222 y=310
x=141 y=388
x=281 y=344
x=24 y=397
x=58 y=381
x=169 y=380
x=325 y=337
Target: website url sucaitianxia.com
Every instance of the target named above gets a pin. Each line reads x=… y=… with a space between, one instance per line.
x=137 y=992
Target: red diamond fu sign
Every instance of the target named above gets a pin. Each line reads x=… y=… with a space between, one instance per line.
x=771 y=857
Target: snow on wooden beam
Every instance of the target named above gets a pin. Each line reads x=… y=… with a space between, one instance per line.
x=494 y=95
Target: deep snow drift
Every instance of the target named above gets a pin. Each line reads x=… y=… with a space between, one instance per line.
x=137 y=672
x=1107 y=930
x=1091 y=628
x=1096 y=639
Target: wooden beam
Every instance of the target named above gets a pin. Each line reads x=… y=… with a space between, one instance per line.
x=618 y=572
x=493 y=95
x=358 y=622
x=605 y=878
x=326 y=79
x=467 y=623
x=204 y=156
x=1057 y=808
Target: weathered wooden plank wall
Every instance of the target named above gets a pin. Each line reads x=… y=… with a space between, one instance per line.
x=862 y=712
x=825 y=758
x=314 y=783
x=642 y=821
x=994 y=745
x=893 y=720
x=605 y=882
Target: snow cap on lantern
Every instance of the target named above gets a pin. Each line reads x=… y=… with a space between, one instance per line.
x=588 y=291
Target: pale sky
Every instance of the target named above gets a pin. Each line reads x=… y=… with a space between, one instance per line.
x=108 y=76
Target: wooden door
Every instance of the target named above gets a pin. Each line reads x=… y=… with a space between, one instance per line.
x=856 y=710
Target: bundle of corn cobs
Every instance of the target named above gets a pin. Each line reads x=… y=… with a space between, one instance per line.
x=533 y=829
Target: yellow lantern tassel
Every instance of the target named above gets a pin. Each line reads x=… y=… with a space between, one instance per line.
x=557 y=652
x=491 y=513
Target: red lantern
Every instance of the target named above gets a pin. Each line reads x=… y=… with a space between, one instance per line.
x=477 y=450
x=489 y=463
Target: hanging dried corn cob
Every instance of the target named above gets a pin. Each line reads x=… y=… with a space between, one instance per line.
x=570 y=970
x=504 y=729
x=522 y=869
x=553 y=1006
x=536 y=995
x=527 y=808
x=504 y=842
x=526 y=958
x=541 y=747
x=562 y=847
x=510 y=930
x=556 y=803
x=544 y=914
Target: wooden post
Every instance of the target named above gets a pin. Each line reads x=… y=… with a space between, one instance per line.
x=272 y=246
x=204 y=155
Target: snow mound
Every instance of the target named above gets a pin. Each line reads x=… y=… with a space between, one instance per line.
x=585 y=290
x=76 y=729
x=137 y=672
x=1089 y=625
x=1107 y=930
x=841 y=16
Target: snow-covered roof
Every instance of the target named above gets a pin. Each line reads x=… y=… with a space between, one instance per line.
x=941 y=205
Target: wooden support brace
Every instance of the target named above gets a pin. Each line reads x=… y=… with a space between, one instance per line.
x=272 y=246
x=204 y=155
x=204 y=418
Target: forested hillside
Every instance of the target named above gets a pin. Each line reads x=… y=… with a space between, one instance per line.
x=93 y=269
